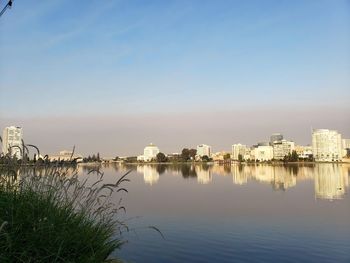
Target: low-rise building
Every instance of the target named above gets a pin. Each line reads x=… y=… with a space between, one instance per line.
x=66 y=156
x=304 y=152
x=282 y=148
x=149 y=153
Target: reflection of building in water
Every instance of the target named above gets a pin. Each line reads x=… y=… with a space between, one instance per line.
x=284 y=178
x=203 y=175
x=240 y=174
x=331 y=181
x=279 y=177
x=150 y=173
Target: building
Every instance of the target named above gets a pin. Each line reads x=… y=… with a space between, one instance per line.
x=221 y=156
x=275 y=137
x=149 y=153
x=263 y=153
x=12 y=141
x=66 y=156
x=239 y=149
x=346 y=147
x=326 y=145
x=203 y=150
x=304 y=152
x=282 y=148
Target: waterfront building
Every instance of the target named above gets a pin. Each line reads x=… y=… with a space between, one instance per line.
x=275 y=137
x=149 y=153
x=220 y=156
x=282 y=148
x=239 y=149
x=12 y=141
x=263 y=153
x=326 y=145
x=65 y=155
x=303 y=152
x=203 y=150
x=346 y=147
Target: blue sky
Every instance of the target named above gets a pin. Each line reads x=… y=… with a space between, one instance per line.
x=132 y=58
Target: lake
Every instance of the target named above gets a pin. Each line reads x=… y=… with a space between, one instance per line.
x=238 y=213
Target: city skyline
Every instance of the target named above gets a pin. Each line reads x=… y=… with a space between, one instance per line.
x=99 y=73
x=281 y=146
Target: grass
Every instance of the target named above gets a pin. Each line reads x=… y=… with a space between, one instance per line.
x=48 y=214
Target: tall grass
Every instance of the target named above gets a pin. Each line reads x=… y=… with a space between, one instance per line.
x=49 y=214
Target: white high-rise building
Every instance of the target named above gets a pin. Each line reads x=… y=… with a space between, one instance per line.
x=239 y=149
x=326 y=145
x=12 y=141
x=203 y=150
x=149 y=153
x=282 y=148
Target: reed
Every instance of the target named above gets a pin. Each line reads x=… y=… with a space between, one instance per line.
x=48 y=214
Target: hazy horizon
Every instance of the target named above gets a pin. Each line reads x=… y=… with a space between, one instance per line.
x=113 y=76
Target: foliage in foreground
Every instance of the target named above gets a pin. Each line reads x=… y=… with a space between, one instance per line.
x=48 y=215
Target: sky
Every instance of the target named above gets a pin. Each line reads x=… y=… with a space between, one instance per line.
x=113 y=76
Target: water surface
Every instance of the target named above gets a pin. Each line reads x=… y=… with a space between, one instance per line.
x=238 y=213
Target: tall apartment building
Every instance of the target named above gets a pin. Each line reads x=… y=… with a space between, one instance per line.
x=239 y=149
x=203 y=150
x=282 y=148
x=326 y=145
x=12 y=141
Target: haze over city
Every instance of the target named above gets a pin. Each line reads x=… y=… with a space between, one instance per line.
x=115 y=76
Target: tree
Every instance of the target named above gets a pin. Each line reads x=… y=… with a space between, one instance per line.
x=192 y=153
x=205 y=158
x=185 y=154
x=161 y=157
x=240 y=157
x=227 y=156
x=294 y=156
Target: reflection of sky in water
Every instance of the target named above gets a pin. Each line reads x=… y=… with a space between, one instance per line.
x=237 y=213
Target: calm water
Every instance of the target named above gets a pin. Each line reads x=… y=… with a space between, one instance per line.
x=237 y=213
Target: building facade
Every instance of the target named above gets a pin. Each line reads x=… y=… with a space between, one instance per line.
x=303 y=152
x=282 y=148
x=263 y=153
x=203 y=150
x=149 y=153
x=326 y=145
x=239 y=149
x=12 y=141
